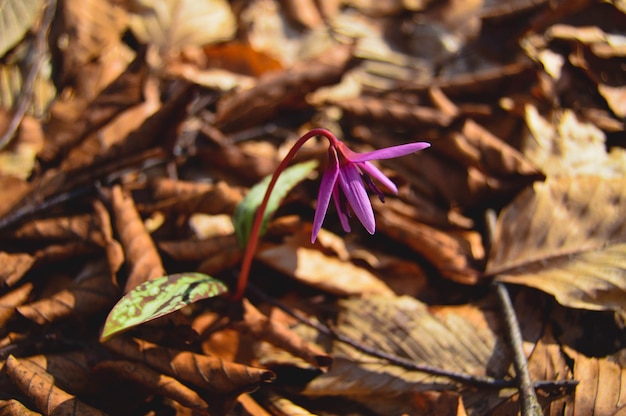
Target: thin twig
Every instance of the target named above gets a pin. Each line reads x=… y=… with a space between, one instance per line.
x=38 y=55
x=529 y=404
x=474 y=380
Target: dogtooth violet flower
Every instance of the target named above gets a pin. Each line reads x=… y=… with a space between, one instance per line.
x=348 y=177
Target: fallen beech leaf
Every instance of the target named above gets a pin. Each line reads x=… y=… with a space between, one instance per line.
x=10 y=300
x=68 y=128
x=16 y=19
x=114 y=251
x=155 y=382
x=568 y=146
x=566 y=237
x=280 y=89
x=172 y=24
x=14 y=189
x=86 y=39
x=208 y=373
x=79 y=227
x=191 y=197
x=196 y=250
x=475 y=146
x=14 y=265
x=14 y=408
x=262 y=328
x=71 y=370
x=388 y=112
x=92 y=292
x=141 y=254
x=546 y=362
x=455 y=256
x=324 y=272
x=19 y=158
x=39 y=386
x=451 y=338
x=159 y=297
x=601 y=389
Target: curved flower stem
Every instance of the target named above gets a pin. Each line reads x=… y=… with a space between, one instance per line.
x=253 y=238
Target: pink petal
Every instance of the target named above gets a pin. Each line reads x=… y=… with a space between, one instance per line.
x=341 y=213
x=385 y=153
x=326 y=190
x=375 y=173
x=355 y=193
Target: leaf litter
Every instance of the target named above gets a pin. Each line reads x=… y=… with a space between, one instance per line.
x=167 y=109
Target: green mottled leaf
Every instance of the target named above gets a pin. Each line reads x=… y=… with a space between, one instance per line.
x=159 y=297
x=247 y=208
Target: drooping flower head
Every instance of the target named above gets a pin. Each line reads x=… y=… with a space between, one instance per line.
x=348 y=178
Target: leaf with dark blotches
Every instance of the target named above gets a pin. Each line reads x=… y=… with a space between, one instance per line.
x=159 y=297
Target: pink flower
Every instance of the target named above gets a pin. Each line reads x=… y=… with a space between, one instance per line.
x=346 y=179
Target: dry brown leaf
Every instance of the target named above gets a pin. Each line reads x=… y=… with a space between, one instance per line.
x=239 y=57
x=433 y=403
x=567 y=146
x=114 y=251
x=155 y=382
x=14 y=265
x=280 y=90
x=228 y=256
x=79 y=227
x=170 y=25
x=546 y=362
x=566 y=237
x=452 y=338
x=475 y=146
x=141 y=253
x=71 y=370
x=615 y=98
x=601 y=389
x=196 y=250
x=312 y=267
x=12 y=299
x=208 y=373
x=455 y=256
x=262 y=328
x=39 y=386
x=92 y=292
x=86 y=37
x=59 y=252
x=18 y=159
x=190 y=197
x=71 y=122
x=14 y=189
x=390 y=112
x=14 y=408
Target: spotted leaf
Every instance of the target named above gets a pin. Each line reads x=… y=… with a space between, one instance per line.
x=158 y=297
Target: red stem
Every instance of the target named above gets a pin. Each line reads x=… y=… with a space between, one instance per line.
x=253 y=239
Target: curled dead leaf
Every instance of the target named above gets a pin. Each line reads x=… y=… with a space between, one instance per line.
x=208 y=373
x=141 y=253
x=39 y=386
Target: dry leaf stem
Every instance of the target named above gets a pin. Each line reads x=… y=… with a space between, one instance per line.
x=529 y=404
x=38 y=55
